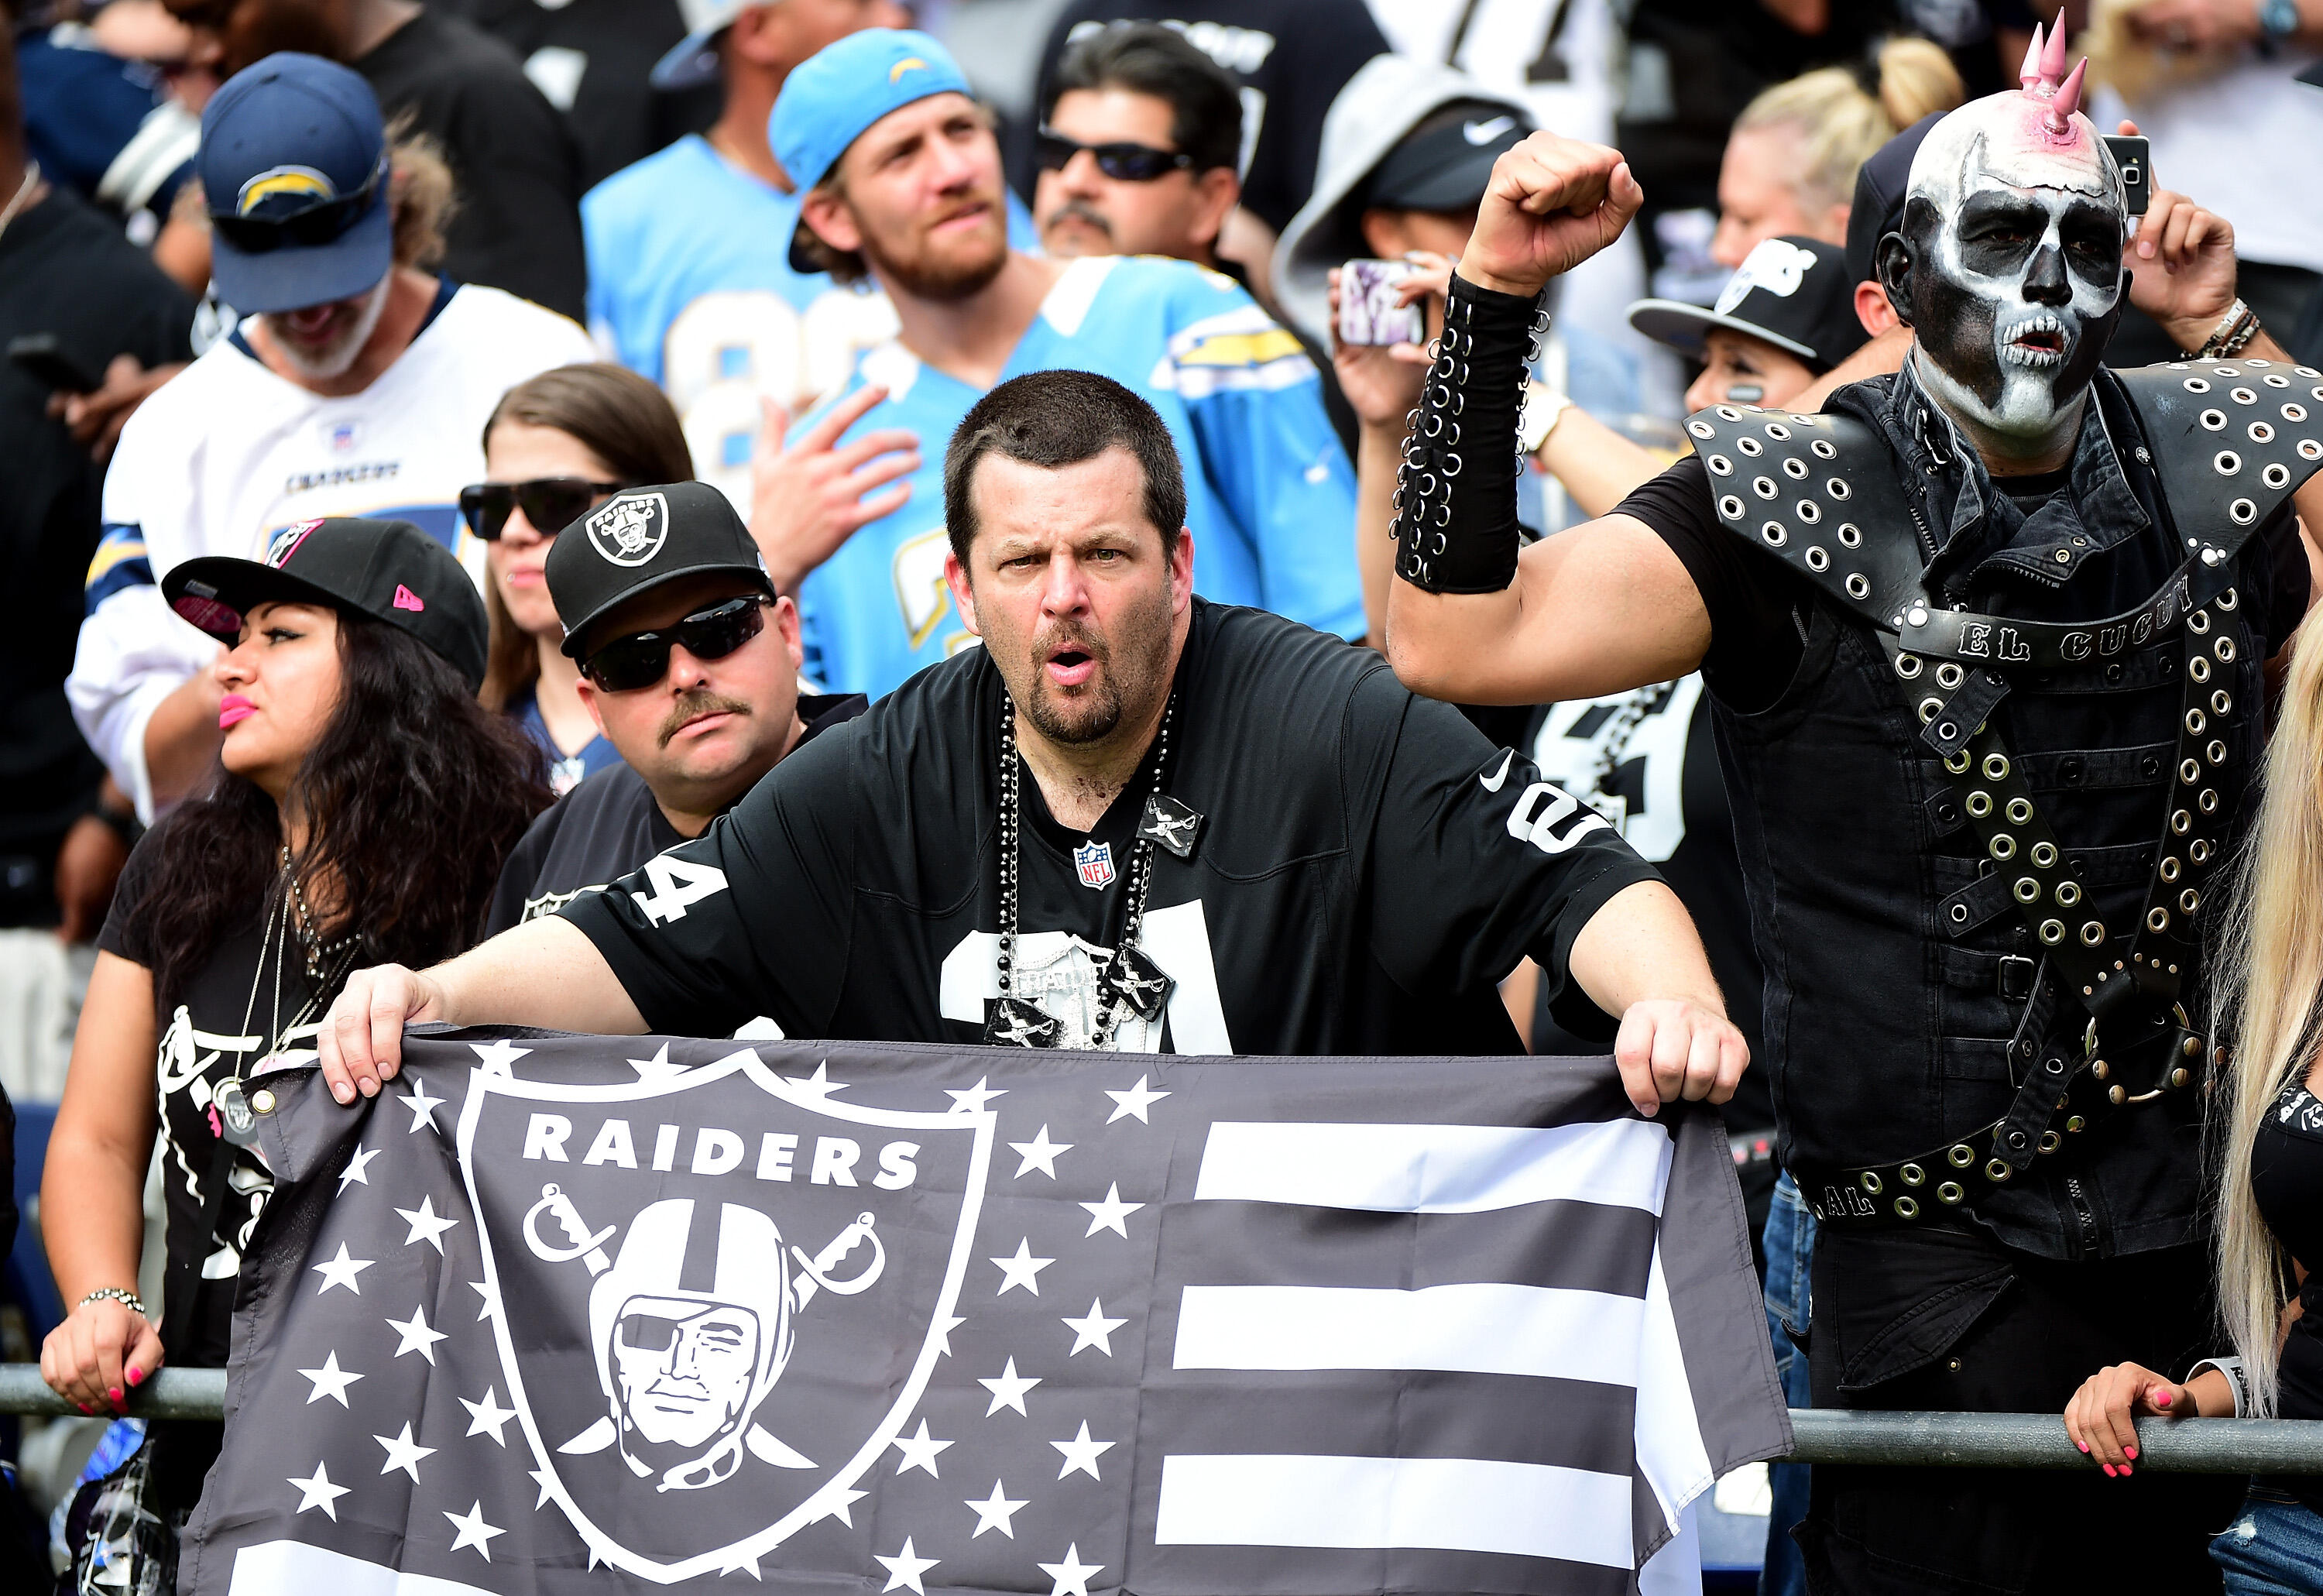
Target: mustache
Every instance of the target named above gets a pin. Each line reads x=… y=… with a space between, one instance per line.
x=691 y=706
x=1065 y=635
x=1080 y=210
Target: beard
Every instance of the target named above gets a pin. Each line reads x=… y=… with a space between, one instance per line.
x=323 y=362
x=954 y=268
x=1091 y=712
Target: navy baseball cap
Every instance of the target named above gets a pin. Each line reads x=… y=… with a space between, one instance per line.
x=842 y=89
x=391 y=571
x=293 y=163
x=1880 y=187
x=1792 y=293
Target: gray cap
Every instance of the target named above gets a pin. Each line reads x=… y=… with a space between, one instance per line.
x=1379 y=105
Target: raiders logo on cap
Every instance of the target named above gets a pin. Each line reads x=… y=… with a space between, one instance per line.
x=630 y=528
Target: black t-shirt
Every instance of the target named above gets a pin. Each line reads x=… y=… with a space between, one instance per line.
x=65 y=270
x=2287 y=1182
x=591 y=58
x=607 y=827
x=1757 y=605
x=518 y=226
x=1367 y=868
x=1291 y=57
x=242 y=1005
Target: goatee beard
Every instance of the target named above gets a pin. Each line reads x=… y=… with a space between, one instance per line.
x=334 y=358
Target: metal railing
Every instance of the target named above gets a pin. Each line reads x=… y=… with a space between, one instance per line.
x=1923 y=1440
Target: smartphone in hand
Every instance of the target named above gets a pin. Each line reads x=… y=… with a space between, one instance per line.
x=1368 y=312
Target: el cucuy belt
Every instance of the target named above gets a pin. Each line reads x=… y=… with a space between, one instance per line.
x=2234 y=440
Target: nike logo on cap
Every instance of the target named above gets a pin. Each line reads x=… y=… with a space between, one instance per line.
x=1492 y=784
x=1485 y=133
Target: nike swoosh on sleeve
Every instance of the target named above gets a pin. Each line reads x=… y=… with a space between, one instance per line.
x=1492 y=784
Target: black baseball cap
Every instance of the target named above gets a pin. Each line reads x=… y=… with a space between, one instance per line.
x=1792 y=293
x=1879 y=188
x=391 y=571
x=641 y=539
x=1445 y=163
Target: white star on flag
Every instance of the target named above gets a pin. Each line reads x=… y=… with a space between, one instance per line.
x=1022 y=1270
x=656 y=1070
x=819 y=1084
x=341 y=1271
x=427 y=1227
x=1134 y=1101
x=1081 y=1453
x=1094 y=1331
x=473 y=1531
x=317 y=1491
x=973 y=1100
x=1039 y=1153
x=919 y=1451
x=950 y=1323
x=1109 y=1214
x=905 y=1569
x=403 y=1452
x=993 y=1512
x=423 y=1106
x=1072 y=1575
x=417 y=1337
x=491 y=1302
x=352 y=1175
x=330 y=1380
x=1008 y=1390
x=495 y=1058
x=488 y=1417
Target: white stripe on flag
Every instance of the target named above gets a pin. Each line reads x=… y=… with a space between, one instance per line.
x=1477 y=1329
x=1453 y=1504
x=293 y=1568
x=1435 y=1169
x=1670 y=1451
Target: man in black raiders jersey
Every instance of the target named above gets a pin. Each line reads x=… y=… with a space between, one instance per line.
x=689 y=662
x=1132 y=820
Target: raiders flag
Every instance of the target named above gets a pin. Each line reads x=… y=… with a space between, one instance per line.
x=555 y=1313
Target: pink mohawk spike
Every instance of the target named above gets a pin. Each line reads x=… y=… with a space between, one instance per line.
x=2030 y=73
x=2058 y=118
x=2052 y=56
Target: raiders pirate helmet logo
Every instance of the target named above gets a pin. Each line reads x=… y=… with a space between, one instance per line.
x=630 y=529
x=733 y=1241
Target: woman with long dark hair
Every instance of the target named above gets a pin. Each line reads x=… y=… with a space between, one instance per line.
x=363 y=806
x=556 y=446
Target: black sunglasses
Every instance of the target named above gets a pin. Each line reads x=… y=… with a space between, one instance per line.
x=1121 y=161
x=317 y=222
x=550 y=503
x=642 y=658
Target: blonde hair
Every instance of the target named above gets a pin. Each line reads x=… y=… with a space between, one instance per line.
x=421 y=190
x=2270 y=978
x=1840 y=125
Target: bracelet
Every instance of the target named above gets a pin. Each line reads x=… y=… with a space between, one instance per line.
x=1544 y=408
x=126 y=1298
x=2233 y=333
x=2238 y=1382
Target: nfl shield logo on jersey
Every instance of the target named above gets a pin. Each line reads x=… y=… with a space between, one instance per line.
x=1093 y=860
x=680 y=1308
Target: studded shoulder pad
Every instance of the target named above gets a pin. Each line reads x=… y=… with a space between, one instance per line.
x=1819 y=493
x=2231 y=439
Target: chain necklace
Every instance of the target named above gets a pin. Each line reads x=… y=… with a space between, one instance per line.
x=1632 y=714
x=1131 y=981
x=319 y=952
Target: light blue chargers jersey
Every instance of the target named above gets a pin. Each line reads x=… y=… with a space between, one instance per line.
x=690 y=284
x=1269 y=496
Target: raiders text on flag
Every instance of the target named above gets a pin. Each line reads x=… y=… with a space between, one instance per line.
x=555 y=1313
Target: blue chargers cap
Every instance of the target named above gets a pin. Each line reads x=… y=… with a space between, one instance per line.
x=293 y=165
x=834 y=95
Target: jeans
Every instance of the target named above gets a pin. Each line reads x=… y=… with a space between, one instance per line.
x=1790 y=1238
x=2274 y=1547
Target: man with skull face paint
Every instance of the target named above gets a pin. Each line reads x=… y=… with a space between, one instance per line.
x=1984 y=644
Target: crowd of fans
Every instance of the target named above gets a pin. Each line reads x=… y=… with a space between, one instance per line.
x=451 y=453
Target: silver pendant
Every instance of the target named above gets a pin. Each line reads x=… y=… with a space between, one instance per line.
x=236 y=1121
x=1143 y=986
x=1170 y=824
x=1018 y=1025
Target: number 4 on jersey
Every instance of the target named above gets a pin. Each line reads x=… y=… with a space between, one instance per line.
x=675 y=884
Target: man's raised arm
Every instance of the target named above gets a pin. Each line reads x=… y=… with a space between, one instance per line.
x=543 y=972
x=1599 y=609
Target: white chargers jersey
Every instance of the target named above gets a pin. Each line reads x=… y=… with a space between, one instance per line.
x=227 y=453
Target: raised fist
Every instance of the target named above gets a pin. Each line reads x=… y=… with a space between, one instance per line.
x=1553 y=202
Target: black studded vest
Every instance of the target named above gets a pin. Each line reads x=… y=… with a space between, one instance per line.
x=1954 y=821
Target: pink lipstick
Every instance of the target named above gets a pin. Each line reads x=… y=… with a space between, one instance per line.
x=233 y=709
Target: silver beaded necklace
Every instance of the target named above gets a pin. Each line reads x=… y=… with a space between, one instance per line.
x=1131 y=981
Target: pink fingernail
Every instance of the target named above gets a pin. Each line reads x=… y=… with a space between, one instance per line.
x=2124 y=1471
x=2108 y=1469
x=2084 y=1445
x=113 y=1394
x=135 y=1375
x=2161 y=1400
x=2128 y=1452
x=82 y=1406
